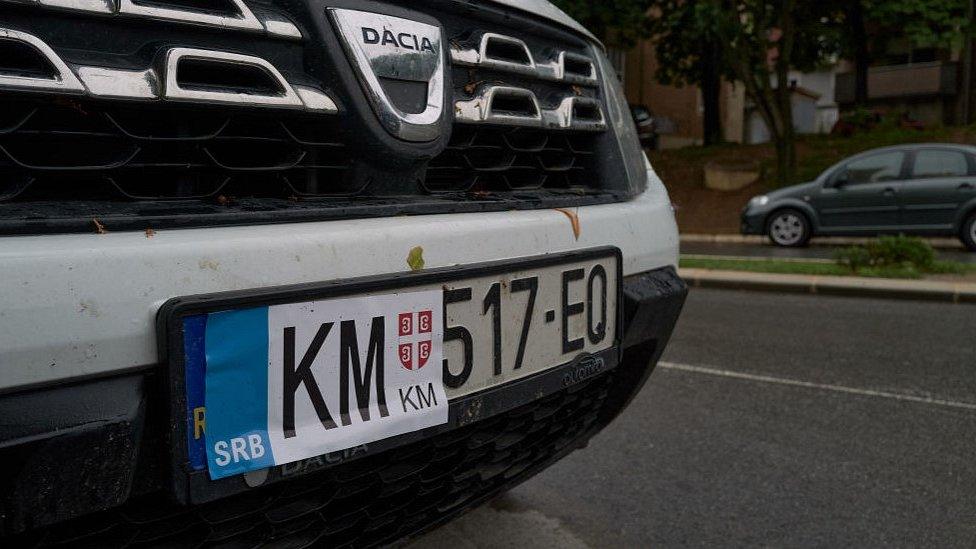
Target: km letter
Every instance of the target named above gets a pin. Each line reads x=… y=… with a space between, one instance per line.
x=295 y=377
x=349 y=359
x=423 y=400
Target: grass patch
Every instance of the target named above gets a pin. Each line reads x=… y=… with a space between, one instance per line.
x=952 y=268
x=908 y=253
x=822 y=268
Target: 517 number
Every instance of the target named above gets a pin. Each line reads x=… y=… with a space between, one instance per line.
x=596 y=321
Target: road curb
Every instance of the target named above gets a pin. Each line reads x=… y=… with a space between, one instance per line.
x=758 y=258
x=939 y=243
x=927 y=290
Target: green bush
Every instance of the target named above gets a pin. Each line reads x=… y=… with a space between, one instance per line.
x=854 y=258
x=861 y=118
x=889 y=252
x=902 y=250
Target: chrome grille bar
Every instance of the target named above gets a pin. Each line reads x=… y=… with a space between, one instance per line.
x=522 y=109
x=119 y=84
x=162 y=84
x=272 y=24
x=64 y=81
x=245 y=20
x=523 y=62
x=174 y=91
x=96 y=6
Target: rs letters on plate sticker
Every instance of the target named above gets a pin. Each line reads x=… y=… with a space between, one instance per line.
x=289 y=382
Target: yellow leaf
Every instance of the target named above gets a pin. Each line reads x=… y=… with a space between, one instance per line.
x=415 y=259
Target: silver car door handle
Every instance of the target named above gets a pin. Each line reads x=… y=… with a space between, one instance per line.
x=889 y=191
x=965 y=187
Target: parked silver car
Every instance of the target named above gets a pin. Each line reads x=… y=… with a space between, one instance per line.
x=925 y=189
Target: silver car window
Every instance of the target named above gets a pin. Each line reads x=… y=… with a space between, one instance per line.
x=940 y=163
x=875 y=168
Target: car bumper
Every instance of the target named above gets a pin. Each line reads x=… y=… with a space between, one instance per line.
x=79 y=306
x=101 y=445
x=85 y=396
x=752 y=222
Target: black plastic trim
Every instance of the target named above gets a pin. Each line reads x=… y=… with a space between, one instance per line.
x=47 y=218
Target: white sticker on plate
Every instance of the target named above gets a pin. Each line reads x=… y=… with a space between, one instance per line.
x=339 y=373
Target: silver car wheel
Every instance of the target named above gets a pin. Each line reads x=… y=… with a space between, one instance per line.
x=787 y=229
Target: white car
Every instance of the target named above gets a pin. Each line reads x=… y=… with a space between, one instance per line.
x=310 y=273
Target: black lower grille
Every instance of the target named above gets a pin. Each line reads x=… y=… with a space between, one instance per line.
x=77 y=151
x=371 y=501
x=65 y=163
x=507 y=159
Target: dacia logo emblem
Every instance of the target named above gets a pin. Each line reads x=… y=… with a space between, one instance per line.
x=400 y=65
x=401 y=40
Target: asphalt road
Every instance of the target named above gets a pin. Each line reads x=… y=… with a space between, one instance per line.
x=810 y=252
x=777 y=420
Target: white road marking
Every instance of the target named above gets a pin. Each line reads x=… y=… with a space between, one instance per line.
x=819 y=386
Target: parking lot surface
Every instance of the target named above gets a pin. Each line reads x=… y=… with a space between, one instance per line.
x=775 y=420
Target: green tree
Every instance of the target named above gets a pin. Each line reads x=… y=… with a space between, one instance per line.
x=941 y=24
x=623 y=22
x=615 y=22
x=925 y=23
x=688 y=50
x=760 y=41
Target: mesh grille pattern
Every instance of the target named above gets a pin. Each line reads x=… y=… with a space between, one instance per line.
x=374 y=500
x=72 y=150
x=78 y=151
x=506 y=159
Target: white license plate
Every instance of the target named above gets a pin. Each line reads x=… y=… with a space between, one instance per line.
x=285 y=382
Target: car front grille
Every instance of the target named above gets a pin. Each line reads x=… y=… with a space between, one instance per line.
x=370 y=501
x=71 y=150
x=196 y=112
x=510 y=159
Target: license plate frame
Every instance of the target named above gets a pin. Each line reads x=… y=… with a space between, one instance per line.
x=192 y=486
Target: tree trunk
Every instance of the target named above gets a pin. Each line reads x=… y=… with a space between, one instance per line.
x=785 y=135
x=786 y=144
x=969 y=44
x=862 y=59
x=782 y=164
x=774 y=105
x=789 y=160
x=711 y=93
